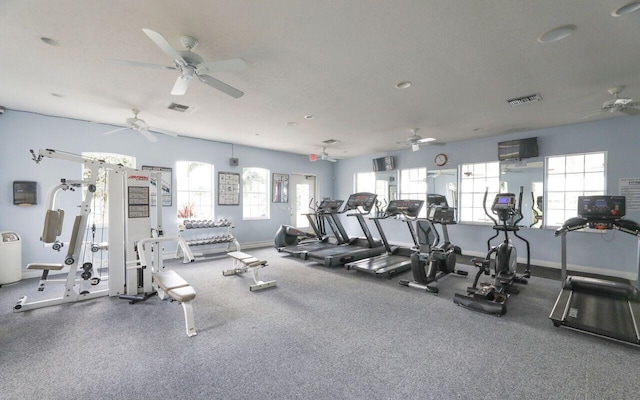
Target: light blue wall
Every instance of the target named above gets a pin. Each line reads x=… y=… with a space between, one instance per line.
x=620 y=137
x=23 y=131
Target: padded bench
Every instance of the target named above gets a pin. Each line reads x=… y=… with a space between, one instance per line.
x=242 y=262
x=45 y=272
x=171 y=284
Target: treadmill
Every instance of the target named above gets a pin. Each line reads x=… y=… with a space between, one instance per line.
x=354 y=248
x=600 y=307
x=324 y=212
x=397 y=258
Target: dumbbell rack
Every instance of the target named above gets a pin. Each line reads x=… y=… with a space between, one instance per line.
x=201 y=236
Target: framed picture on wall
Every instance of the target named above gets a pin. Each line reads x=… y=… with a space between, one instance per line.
x=228 y=189
x=280 y=188
x=166 y=185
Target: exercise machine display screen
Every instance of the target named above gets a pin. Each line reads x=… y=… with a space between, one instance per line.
x=504 y=201
x=602 y=207
x=443 y=215
x=364 y=200
x=329 y=205
x=437 y=200
x=410 y=208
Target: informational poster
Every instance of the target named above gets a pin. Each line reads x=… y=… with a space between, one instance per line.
x=166 y=184
x=630 y=188
x=228 y=189
x=138 y=201
x=280 y=188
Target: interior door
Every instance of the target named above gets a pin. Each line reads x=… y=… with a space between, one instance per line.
x=302 y=189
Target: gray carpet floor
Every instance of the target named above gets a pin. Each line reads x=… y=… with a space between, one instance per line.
x=320 y=334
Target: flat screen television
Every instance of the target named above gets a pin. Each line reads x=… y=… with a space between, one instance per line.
x=384 y=164
x=518 y=149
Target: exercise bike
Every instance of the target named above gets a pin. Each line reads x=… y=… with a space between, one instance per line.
x=434 y=261
x=491 y=297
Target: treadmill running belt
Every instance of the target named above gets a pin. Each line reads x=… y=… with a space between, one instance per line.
x=601 y=315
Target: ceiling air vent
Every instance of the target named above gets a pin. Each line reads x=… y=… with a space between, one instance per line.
x=330 y=141
x=524 y=100
x=181 y=108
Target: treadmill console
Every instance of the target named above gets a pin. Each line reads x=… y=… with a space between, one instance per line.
x=409 y=208
x=329 y=205
x=601 y=207
x=363 y=200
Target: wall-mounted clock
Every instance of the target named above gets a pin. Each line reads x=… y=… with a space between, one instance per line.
x=441 y=159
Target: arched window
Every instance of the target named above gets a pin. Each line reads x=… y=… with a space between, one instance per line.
x=99 y=215
x=194 y=181
x=255 y=193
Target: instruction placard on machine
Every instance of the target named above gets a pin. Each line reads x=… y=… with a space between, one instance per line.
x=138 y=201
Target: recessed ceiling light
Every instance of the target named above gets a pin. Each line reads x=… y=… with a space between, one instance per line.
x=49 y=41
x=627 y=9
x=556 y=34
x=403 y=85
x=476 y=129
x=57 y=95
x=309 y=116
x=292 y=123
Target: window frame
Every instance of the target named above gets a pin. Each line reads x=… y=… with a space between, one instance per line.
x=568 y=212
x=409 y=194
x=491 y=172
x=249 y=191
x=180 y=191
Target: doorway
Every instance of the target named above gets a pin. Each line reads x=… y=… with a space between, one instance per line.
x=302 y=190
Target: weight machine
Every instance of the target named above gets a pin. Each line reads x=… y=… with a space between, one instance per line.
x=129 y=223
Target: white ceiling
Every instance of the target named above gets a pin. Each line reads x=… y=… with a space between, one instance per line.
x=337 y=60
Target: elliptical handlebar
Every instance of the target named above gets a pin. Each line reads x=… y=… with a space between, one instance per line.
x=484 y=206
x=519 y=209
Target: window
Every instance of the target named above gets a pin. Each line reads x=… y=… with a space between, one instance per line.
x=413 y=186
x=365 y=182
x=99 y=215
x=255 y=193
x=194 y=181
x=570 y=176
x=474 y=181
x=374 y=182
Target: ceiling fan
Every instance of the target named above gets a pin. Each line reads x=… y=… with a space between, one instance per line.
x=617 y=104
x=140 y=126
x=192 y=65
x=416 y=140
x=324 y=156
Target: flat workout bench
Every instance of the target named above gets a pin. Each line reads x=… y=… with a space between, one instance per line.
x=242 y=262
x=171 y=284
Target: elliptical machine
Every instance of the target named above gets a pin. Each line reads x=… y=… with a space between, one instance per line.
x=433 y=261
x=490 y=298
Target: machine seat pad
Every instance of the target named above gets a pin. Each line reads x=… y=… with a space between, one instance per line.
x=169 y=280
x=182 y=294
x=238 y=255
x=54 y=267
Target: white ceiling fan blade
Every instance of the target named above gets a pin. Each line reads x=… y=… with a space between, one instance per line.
x=148 y=135
x=426 y=140
x=164 y=45
x=630 y=111
x=331 y=159
x=114 y=131
x=180 y=87
x=141 y=64
x=223 y=87
x=230 y=65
